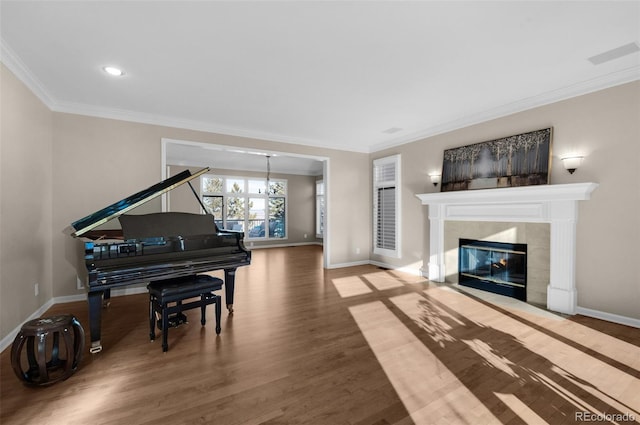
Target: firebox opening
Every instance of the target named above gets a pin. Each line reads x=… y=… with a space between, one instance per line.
x=493 y=266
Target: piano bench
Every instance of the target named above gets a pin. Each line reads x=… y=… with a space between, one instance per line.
x=164 y=292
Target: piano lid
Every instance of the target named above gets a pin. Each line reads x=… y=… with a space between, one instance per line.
x=115 y=210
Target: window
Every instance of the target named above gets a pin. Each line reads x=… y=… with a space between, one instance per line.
x=214 y=205
x=319 y=208
x=247 y=204
x=386 y=206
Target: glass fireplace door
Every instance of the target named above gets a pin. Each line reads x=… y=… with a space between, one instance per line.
x=493 y=266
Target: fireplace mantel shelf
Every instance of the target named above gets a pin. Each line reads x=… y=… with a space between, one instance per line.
x=555 y=204
x=553 y=192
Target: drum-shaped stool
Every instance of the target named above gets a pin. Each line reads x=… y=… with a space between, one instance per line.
x=44 y=361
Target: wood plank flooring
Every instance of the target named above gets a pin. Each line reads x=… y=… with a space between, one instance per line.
x=358 y=345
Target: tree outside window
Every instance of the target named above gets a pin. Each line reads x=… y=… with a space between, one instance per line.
x=319 y=208
x=214 y=205
x=245 y=204
x=277 y=217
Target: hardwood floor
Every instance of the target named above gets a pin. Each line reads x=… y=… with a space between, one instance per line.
x=358 y=345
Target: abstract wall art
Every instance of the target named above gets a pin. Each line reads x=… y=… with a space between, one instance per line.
x=519 y=160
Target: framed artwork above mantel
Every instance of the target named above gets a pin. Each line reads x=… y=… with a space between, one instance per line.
x=520 y=160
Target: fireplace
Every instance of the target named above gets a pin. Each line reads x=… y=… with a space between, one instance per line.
x=556 y=204
x=493 y=266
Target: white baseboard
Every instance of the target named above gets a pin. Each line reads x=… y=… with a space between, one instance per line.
x=351 y=264
x=409 y=270
x=8 y=340
x=70 y=299
x=609 y=317
x=424 y=272
x=282 y=245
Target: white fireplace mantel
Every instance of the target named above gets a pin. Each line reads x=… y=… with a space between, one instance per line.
x=554 y=204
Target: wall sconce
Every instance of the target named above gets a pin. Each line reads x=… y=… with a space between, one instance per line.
x=435 y=178
x=571 y=163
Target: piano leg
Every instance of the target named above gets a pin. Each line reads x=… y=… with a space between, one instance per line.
x=229 y=287
x=95 y=320
x=106 y=298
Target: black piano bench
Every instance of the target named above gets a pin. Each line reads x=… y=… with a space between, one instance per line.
x=164 y=292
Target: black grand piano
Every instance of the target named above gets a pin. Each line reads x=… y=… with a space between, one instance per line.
x=152 y=247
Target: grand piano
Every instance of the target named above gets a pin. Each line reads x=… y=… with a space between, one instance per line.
x=152 y=247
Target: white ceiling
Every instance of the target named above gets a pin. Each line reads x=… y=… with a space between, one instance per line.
x=333 y=74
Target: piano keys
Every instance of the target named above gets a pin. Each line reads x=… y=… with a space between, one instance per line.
x=154 y=247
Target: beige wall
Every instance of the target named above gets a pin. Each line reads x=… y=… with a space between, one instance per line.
x=605 y=127
x=25 y=203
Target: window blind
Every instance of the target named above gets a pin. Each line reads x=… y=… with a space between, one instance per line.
x=386 y=223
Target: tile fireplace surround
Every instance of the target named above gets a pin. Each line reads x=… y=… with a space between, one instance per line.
x=555 y=204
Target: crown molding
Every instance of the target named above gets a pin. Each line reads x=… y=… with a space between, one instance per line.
x=165 y=121
x=15 y=65
x=19 y=69
x=600 y=83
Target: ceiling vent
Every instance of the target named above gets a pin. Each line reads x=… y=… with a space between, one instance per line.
x=616 y=53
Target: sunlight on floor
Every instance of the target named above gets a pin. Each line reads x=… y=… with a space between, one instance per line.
x=415 y=373
x=87 y=403
x=351 y=286
x=521 y=409
x=541 y=375
x=382 y=280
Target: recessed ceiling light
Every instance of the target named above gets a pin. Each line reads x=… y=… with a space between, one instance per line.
x=392 y=130
x=112 y=70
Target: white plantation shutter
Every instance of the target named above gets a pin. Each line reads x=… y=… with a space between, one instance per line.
x=384 y=172
x=386 y=176
x=386 y=226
